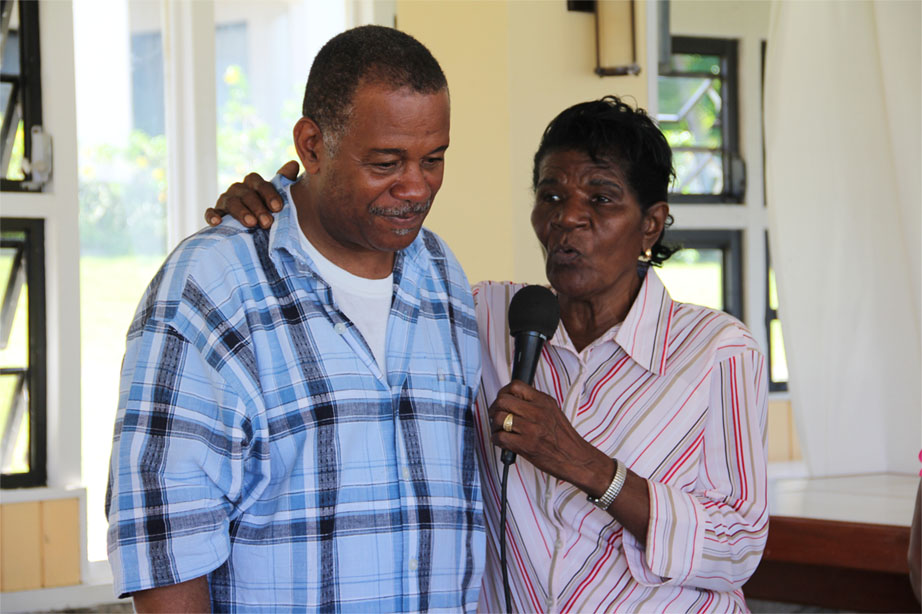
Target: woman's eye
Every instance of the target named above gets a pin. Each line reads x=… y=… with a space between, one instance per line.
x=601 y=199
x=549 y=197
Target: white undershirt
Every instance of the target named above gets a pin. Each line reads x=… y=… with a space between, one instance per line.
x=367 y=302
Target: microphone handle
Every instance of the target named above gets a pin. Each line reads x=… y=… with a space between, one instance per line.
x=525 y=359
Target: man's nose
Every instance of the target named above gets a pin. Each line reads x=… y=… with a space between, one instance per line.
x=412 y=185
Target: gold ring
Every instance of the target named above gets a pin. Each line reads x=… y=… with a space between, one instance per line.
x=507 y=423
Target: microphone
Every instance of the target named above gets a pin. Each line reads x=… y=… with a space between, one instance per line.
x=533 y=318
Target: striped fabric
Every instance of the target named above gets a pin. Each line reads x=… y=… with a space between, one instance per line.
x=258 y=442
x=678 y=392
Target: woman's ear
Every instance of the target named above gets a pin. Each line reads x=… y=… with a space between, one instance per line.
x=654 y=222
x=309 y=144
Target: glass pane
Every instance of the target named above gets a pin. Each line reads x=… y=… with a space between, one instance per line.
x=693 y=62
x=695 y=276
x=14 y=424
x=10 y=59
x=779 y=366
x=772 y=290
x=14 y=354
x=263 y=53
x=689 y=111
x=697 y=172
x=122 y=198
x=14 y=170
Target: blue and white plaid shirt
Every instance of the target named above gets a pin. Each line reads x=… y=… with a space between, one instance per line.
x=258 y=442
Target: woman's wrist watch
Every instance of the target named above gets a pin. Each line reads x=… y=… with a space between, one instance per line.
x=613 y=489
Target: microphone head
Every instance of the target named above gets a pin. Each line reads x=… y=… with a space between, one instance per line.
x=534 y=308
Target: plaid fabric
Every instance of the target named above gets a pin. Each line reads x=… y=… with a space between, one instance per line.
x=258 y=443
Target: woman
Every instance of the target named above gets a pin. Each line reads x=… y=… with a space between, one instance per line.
x=640 y=482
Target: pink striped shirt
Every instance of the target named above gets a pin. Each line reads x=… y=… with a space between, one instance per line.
x=678 y=392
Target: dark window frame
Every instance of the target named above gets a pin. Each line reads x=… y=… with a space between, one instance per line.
x=36 y=374
x=734 y=185
x=730 y=243
x=770 y=316
x=29 y=82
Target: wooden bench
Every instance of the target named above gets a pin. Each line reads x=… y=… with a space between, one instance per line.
x=854 y=566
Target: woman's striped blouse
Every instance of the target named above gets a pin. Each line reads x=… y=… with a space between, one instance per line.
x=676 y=391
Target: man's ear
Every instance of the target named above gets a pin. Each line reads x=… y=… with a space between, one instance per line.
x=654 y=222
x=309 y=144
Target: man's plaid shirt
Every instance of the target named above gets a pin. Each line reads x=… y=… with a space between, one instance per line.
x=257 y=441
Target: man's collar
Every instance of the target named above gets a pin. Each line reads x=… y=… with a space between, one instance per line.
x=644 y=334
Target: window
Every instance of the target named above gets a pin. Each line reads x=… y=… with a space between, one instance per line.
x=706 y=271
x=698 y=114
x=21 y=97
x=777 y=359
x=262 y=54
x=22 y=352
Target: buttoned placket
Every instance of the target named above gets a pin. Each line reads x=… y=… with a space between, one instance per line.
x=570 y=404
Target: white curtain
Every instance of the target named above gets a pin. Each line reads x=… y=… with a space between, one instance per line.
x=842 y=134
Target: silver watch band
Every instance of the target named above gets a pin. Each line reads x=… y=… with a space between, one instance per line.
x=613 y=489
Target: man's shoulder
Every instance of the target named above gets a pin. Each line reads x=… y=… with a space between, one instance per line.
x=211 y=263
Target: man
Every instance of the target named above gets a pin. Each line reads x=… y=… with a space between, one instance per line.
x=294 y=426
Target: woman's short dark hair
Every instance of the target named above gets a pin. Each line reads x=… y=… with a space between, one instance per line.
x=374 y=54
x=609 y=130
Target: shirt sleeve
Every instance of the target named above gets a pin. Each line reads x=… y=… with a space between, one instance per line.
x=176 y=471
x=713 y=536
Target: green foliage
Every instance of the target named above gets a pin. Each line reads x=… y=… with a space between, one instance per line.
x=122 y=190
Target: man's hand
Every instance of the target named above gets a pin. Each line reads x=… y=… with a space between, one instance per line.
x=191 y=596
x=251 y=199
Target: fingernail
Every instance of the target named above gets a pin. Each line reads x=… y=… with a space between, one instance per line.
x=275 y=205
x=215 y=220
x=249 y=220
x=265 y=219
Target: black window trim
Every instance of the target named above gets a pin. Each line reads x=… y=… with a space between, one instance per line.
x=770 y=316
x=730 y=243
x=29 y=81
x=36 y=374
x=728 y=50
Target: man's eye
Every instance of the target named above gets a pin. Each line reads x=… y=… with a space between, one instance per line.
x=431 y=162
x=385 y=166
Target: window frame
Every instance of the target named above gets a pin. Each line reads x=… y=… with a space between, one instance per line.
x=730 y=243
x=29 y=81
x=734 y=185
x=37 y=374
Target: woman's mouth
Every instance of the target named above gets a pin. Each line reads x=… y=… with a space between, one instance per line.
x=563 y=255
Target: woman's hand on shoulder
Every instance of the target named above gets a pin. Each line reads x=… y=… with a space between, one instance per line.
x=250 y=200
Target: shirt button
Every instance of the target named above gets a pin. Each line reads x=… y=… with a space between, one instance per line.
x=558 y=544
x=406 y=473
x=340 y=328
x=547 y=495
x=413 y=564
x=441 y=375
x=549 y=603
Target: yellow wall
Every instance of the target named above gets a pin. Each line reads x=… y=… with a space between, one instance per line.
x=511 y=67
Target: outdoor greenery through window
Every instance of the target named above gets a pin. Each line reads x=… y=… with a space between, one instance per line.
x=778 y=365
x=20 y=90
x=22 y=352
x=262 y=57
x=705 y=271
x=698 y=115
